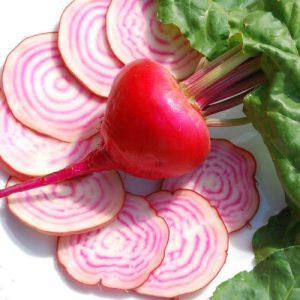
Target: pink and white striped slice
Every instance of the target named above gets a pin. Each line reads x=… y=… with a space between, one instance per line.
x=29 y=153
x=84 y=46
x=43 y=94
x=122 y=254
x=134 y=32
x=227 y=180
x=74 y=206
x=197 y=247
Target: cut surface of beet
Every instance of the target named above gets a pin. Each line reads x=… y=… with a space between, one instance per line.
x=74 y=206
x=43 y=94
x=134 y=32
x=197 y=248
x=122 y=254
x=227 y=180
x=84 y=46
x=27 y=152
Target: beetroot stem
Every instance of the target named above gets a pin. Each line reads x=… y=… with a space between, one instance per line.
x=208 y=95
x=223 y=105
x=241 y=87
x=204 y=67
x=205 y=79
x=202 y=63
x=227 y=122
x=234 y=95
x=96 y=161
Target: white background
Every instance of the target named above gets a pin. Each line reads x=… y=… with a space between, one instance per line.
x=28 y=269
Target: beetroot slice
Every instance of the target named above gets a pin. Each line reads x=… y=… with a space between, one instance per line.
x=73 y=206
x=25 y=152
x=197 y=247
x=134 y=32
x=122 y=254
x=44 y=96
x=227 y=180
x=84 y=46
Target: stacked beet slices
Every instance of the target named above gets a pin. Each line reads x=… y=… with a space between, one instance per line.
x=54 y=88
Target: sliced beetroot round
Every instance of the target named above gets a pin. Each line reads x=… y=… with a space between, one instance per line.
x=122 y=254
x=197 y=248
x=84 y=46
x=227 y=179
x=44 y=96
x=25 y=152
x=74 y=206
x=134 y=32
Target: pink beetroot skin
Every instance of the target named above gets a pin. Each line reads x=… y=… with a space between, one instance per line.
x=150 y=128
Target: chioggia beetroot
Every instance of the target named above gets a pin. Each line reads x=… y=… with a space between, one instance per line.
x=227 y=180
x=153 y=127
x=74 y=206
x=57 y=124
x=43 y=95
x=122 y=254
x=134 y=32
x=25 y=153
x=84 y=47
x=197 y=248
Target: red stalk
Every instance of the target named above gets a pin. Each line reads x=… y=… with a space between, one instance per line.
x=205 y=68
x=241 y=87
x=214 y=71
x=208 y=95
x=224 y=105
x=96 y=161
x=234 y=95
x=232 y=74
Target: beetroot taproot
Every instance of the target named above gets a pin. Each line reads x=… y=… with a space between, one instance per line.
x=153 y=126
x=150 y=129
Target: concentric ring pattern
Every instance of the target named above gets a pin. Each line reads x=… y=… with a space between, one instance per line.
x=84 y=46
x=44 y=95
x=134 y=32
x=28 y=152
x=122 y=254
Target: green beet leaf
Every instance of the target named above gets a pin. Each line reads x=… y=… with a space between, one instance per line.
x=282 y=231
x=275 y=112
x=205 y=23
x=289 y=13
x=275 y=278
x=274 y=109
